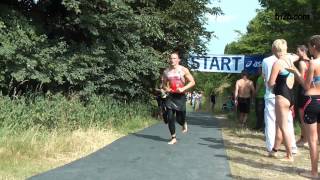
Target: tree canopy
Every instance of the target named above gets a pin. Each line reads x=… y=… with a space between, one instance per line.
x=275 y=20
x=270 y=23
x=112 y=47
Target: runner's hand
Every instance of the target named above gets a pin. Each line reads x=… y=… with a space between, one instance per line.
x=167 y=89
x=180 y=90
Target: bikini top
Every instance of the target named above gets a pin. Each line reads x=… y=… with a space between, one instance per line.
x=316 y=80
x=286 y=73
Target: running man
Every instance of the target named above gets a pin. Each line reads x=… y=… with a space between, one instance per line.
x=176 y=80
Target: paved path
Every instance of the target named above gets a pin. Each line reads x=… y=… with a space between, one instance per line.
x=145 y=155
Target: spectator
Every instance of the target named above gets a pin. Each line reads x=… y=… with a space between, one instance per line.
x=212 y=100
x=259 y=104
x=244 y=90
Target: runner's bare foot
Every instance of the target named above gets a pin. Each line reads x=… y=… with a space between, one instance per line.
x=173 y=141
x=185 y=128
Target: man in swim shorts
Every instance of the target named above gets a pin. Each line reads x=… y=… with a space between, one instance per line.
x=244 y=90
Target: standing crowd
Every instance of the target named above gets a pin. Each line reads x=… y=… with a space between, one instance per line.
x=275 y=100
x=195 y=99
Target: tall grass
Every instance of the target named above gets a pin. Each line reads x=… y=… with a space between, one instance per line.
x=39 y=133
x=59 y=112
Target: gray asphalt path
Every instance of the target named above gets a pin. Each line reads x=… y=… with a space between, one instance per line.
x=145 y=155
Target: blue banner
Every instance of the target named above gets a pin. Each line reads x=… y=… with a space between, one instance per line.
x=252 y=63
x=225 y=63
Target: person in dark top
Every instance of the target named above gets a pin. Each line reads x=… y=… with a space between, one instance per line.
x=213 y=100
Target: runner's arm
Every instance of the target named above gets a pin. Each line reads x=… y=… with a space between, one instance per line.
x=164 y=84
x=189 y=78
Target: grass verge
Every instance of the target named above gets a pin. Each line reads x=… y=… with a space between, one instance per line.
x=48 y=133
x=31 y=152
x=249 y=159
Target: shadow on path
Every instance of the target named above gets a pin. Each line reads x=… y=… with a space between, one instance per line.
x=156 y=138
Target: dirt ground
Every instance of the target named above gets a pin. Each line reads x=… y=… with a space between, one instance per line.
x=249 y=159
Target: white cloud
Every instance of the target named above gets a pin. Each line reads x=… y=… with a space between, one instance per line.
x=220 y=19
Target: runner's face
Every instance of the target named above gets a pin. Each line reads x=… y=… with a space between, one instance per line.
x=174 y=59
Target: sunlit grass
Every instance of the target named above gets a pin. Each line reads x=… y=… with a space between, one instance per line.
x=40 y=135
x=247 y=155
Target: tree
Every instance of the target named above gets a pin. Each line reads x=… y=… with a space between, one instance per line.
x=301 y=29
x=272 y=22
x=106 y=47
x=261 y=32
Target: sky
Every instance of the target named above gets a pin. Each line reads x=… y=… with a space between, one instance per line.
x=237 y=14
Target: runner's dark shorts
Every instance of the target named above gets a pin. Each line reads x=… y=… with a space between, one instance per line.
x=312 y=109
x=176 y=102
x=244 y=104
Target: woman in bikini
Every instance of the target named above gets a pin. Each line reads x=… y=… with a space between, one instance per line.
x=282 y=82
x=312 y=104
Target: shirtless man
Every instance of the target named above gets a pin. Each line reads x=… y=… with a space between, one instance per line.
x=243 y=92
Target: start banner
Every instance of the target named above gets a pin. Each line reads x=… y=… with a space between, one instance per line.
x=225 y=63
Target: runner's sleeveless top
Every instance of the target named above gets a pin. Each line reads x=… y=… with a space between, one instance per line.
x=175 y=100
x=175 y=78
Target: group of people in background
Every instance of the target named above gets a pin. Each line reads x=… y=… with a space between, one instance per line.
x=309 y=79
x=195 y=99
x=275 y=99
